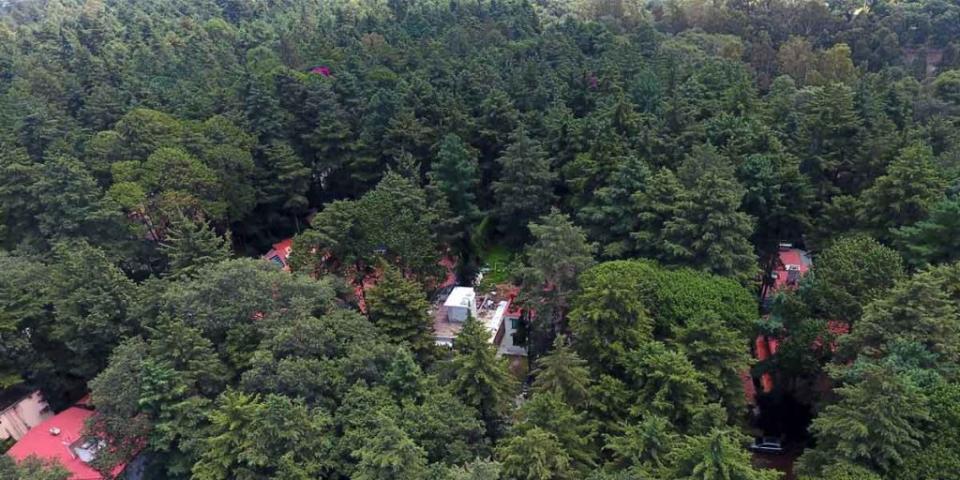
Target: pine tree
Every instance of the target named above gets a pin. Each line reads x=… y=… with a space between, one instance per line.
x=557 y=256
x=524 y=190
x=709 y=231
x=672 y=386
x=612 y=215
x=535 y=455
x=288 y=178
x=876 y=423
x=657 y=204
x=399 y=309
x=905 y=194
x=828 y=141
x=479 y=377
x=717 y=455
x=644 y=444
x=191 y=246
x=455 y=172
x=454 y=176
x=563 y=373
x=719 y=354
x=572 y=429
x=935 y=240
x=389 y=454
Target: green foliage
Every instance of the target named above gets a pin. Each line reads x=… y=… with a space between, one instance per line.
x=646 y=443
x=874 y=424
x=399 y=309
x=932 y=241
x=275 y=436
x=709 y=232
x=698 y=135
x=905 y=194
x=556 y=257
x=718 y=454
x=191 y=246
x=849 y=274
x=479 y=377
x=720 y=356
x=393 y=219
x=525 y=190
x=671 y=385
x=389 y=455
x=535 y=455
x=563 y=373
x=571 y=429
x=32 y=468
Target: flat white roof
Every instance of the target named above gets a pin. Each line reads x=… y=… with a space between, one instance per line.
x=460 y=297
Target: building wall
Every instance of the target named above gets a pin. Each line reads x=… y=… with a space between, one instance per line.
x=506 y=344
x=20 y=417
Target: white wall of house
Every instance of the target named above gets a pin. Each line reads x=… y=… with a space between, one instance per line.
x=20 y=417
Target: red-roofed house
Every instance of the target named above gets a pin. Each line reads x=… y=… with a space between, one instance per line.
x=60 y=438
x=791 y=265
x=280 y=253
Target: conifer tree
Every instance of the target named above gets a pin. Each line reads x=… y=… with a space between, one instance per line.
x=192 y=245
x=934 y=240
x=524 y=190
x=672 y=386
x=719 y=354
x=479 y=377
x=645 y=444
x=718 y=454
x=709 y=231
x=289 y=180
x=563 y=373
x=389 y=454
x=535 y=455
x=905 y=194
x=455 y=172
x=657 y=204
x=572 y=429
x=399 y=308
x=876 y=423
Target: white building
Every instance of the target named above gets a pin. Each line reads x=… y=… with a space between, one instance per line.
x=461 y=303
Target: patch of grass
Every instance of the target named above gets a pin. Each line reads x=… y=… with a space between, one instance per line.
x=498 y=263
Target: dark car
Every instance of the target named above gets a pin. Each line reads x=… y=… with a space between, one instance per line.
x=767 y=445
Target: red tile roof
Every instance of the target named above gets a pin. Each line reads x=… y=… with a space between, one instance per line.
x=280 y=253
x=792 y=264
x=40 y=442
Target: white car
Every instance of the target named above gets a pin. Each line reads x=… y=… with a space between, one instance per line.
x=767 y=445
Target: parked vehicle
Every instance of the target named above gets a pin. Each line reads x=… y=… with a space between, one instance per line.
x=767 y=445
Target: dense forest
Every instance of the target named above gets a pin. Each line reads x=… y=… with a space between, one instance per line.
x=632 y=168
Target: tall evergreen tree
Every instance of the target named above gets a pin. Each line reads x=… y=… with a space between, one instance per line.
x=905 y=194
x=455 y=172
x=709 y=231
x=718 y=454
x=524 y=190
x=657 y=204
x=719 y=354
x=479 y=377
x=535 y=455
x=192 y=245
x=563 y=373
x=389 y=454
x=934 y=240
x=876 y=423
x=558 y=254
x=399 y=309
